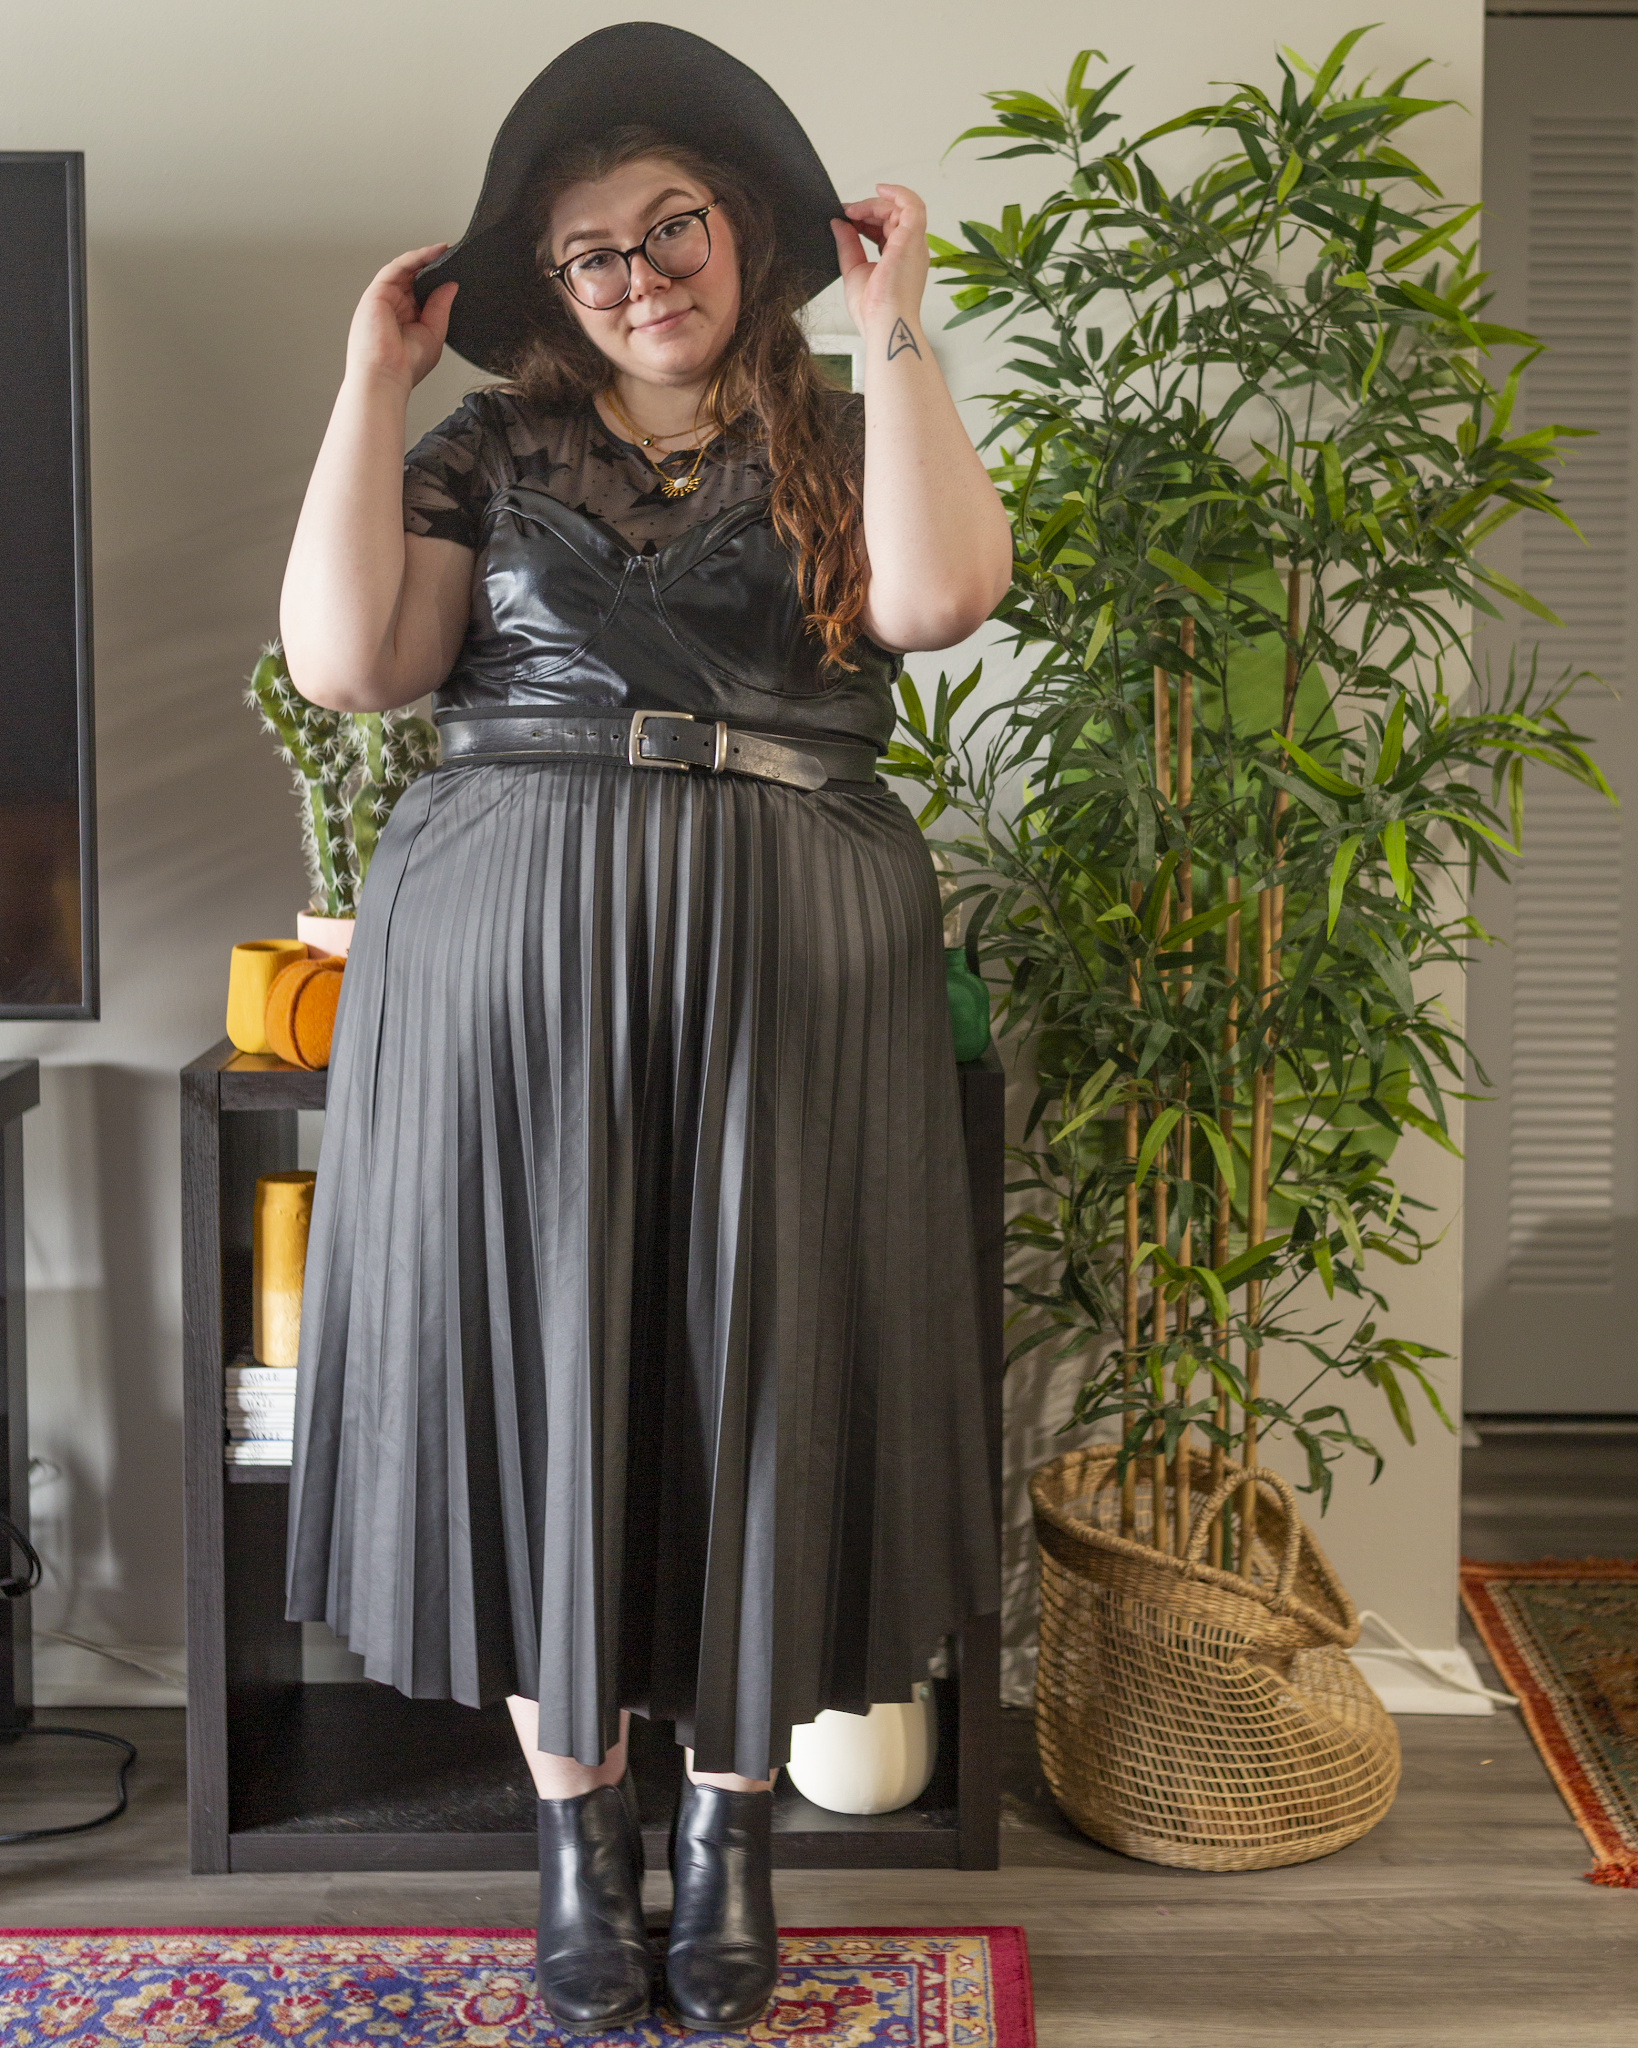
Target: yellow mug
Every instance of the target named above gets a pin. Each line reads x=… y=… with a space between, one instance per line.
x=250 y=976
x=279 y=1221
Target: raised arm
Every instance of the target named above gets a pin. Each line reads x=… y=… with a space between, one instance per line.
x=937 y=535
x=372 y=617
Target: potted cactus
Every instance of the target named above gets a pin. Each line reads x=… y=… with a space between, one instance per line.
x=350 y=768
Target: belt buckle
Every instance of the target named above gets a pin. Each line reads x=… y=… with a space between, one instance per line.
x=639 y=719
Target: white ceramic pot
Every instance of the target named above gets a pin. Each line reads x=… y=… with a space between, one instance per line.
x=867 y=1763
x=325 y=934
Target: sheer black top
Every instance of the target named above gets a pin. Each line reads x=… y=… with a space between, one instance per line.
x=593 y=591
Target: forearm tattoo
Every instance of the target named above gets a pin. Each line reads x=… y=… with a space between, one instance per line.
x=901 y=339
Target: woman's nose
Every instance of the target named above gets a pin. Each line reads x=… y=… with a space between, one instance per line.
x=644 y=277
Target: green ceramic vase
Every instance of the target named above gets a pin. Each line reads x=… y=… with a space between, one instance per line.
x=969 y=1005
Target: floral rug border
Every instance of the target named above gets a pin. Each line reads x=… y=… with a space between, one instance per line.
x=989 y=2008
x=1573 y=1768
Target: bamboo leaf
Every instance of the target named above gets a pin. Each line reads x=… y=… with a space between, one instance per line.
x=1393 y=741
x=1192 y=928
x=1288 y=177
x=1434 y=238
x=1221 y=1151
x=1323 y=778
x=1508 y=588
x=1091 y=1098
x=1191 y=579
x=1336 y=491
x=1326 y=76
x=1429 y=1129
x=1393 y=846
x=1340 y=867
x=1212 y=1288
x=1157 y=1134
x=1253 y=1256
x=1100 y=633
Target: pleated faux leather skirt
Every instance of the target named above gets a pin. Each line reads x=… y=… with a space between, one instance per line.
x=639 y=1352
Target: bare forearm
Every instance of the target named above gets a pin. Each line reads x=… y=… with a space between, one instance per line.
x=344 y=585
x=937 y=536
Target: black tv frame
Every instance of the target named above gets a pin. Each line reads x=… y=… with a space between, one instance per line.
x=89 y=1005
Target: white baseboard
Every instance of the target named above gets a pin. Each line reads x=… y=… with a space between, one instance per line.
x=1404 y=1687
x=67 y=1676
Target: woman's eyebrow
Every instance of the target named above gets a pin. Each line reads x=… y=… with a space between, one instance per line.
x=604 y=237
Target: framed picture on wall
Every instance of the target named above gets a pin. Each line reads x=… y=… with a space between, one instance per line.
x=840 y=358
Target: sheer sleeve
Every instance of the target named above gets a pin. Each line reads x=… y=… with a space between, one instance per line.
x=450 y=476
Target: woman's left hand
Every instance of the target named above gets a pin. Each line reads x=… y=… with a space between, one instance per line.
x=896 y=221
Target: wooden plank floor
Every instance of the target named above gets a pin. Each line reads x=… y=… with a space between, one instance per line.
x=1462 y=1922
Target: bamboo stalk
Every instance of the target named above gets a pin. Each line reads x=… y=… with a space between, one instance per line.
x=1129 y=1326
x=1262 y=1106
x=1185 y=1139
x=1128 y=1490
x=1225 y=1200
x=1270 y=928
x=1288 y=726
x=1158 y=1325
x=1158 y=1312
x=1163 y=736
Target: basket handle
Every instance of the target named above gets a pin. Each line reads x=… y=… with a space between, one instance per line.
x=1194 y=1550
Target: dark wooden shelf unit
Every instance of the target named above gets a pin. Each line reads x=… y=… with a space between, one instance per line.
x=288 y=1776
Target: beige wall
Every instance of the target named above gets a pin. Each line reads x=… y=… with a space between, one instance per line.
x=248 y=166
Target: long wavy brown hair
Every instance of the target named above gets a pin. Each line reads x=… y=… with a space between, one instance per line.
x=767 y=382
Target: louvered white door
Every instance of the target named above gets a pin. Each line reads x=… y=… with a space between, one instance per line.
x=1551 y=1222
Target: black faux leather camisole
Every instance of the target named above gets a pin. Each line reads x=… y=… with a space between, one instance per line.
x=567 y=617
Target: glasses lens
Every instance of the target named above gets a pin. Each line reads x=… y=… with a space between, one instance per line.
x=600 y=278
x=679 y=246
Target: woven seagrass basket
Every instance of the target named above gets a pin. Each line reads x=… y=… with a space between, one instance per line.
x=1193 y=1716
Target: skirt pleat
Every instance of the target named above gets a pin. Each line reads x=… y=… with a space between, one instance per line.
x=640 y=1360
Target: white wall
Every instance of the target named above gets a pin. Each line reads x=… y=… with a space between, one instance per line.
x=248 y=167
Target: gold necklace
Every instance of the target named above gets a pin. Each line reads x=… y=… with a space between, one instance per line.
x=670 y=486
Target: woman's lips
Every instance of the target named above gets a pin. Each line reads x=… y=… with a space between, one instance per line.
x=664 y=325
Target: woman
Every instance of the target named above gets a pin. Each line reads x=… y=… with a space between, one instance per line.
x=639 y=1363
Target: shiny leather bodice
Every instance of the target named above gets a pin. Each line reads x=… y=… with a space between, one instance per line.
x=566 y=617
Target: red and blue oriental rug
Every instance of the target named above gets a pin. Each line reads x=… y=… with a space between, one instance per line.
x=1564 y=1636
x=444 y=1987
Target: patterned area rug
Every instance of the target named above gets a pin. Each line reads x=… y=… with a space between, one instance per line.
x=462 y=1987
x=1564 y=1636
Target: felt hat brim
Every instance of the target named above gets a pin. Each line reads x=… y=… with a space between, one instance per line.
x=635 y=72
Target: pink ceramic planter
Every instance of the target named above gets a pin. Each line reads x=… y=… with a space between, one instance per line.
x=325 y=934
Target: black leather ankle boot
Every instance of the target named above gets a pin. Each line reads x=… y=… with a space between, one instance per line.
x=592 y=1962
x=722 y=1960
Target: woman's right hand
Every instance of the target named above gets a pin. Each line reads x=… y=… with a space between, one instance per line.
x=392 y=336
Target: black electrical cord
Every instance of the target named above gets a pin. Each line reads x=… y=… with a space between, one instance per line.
x=16 y=1587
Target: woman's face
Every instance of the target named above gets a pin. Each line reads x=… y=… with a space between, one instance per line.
x=670 y=330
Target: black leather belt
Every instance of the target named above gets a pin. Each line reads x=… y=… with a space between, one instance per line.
x=655 y=739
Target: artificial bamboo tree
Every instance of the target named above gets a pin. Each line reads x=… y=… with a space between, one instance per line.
x=1217 y=841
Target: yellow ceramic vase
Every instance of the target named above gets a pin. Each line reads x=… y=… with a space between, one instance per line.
x=278 y=1237
x=249 y=978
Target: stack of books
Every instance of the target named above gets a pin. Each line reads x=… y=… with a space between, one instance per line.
x=261 y=1412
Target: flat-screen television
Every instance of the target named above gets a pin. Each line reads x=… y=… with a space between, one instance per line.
x=48 y=847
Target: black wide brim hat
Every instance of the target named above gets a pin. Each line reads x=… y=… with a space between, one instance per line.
x=638 y=72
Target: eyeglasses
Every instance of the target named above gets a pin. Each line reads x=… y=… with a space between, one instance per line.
x=677 y=246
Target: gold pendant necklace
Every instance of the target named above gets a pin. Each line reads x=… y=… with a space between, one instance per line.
x=670 y=487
